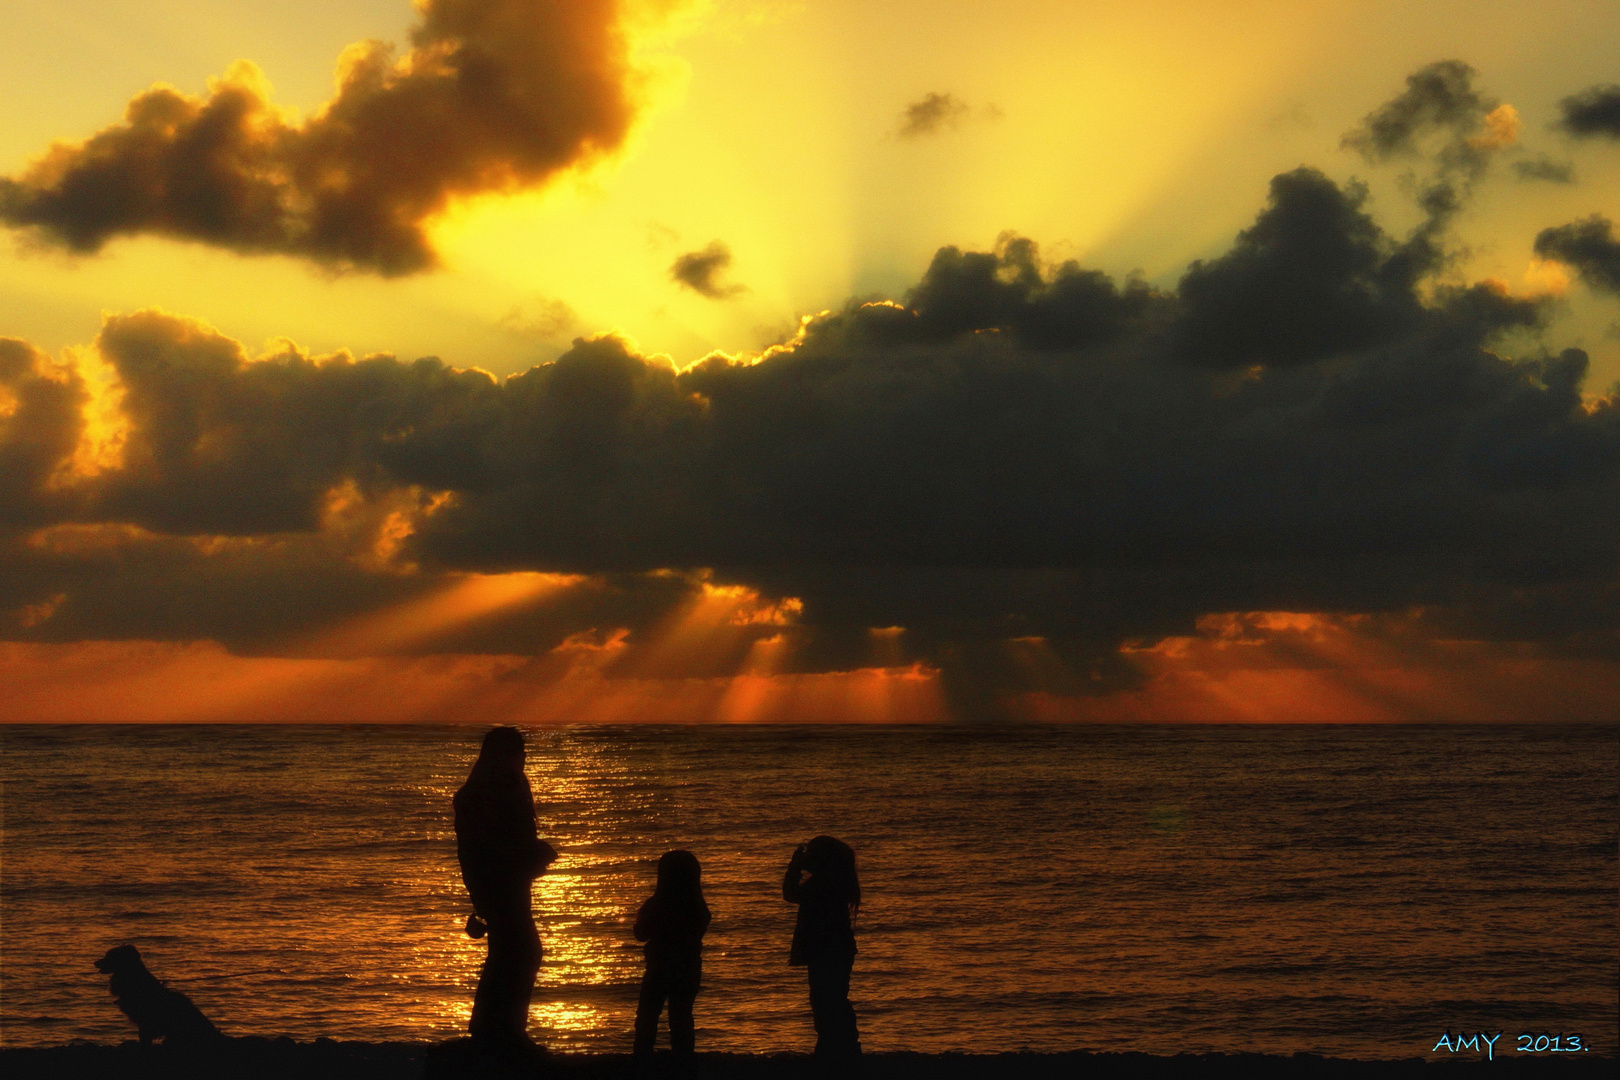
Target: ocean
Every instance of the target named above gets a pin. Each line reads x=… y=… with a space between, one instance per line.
x=1349 y=891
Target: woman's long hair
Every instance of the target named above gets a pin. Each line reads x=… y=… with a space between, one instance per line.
x=496 y=775
x=501 y=755
x=832 y=862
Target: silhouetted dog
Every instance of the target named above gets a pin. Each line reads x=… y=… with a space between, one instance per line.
x=157 y=1011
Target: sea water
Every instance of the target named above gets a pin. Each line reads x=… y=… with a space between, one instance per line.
x=1351 y=891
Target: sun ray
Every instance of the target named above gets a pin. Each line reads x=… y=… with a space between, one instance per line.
x=470 y=598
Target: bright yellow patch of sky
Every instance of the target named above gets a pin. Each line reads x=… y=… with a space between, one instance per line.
x=1128 y=136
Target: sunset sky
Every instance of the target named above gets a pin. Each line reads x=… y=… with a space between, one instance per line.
x=610 y=361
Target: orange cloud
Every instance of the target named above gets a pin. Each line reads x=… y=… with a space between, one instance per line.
x=1301 y=667
x=1501 y=129
x=200 y=682
x=1254 y=667
x=716 y=629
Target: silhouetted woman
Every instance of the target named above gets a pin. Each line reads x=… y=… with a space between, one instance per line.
x=501 y=854
x=821 y=879
x=672 y=923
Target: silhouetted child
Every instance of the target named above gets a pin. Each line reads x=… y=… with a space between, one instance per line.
x=672 y=923
x=821 y=879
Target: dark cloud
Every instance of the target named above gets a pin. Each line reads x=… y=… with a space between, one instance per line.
x=225 y=445
x=495 y=95
x=1442 y=121
x=41 y=421
x=701 y=272
x=1023 y=465
x=1315 y=276
x=975 y=491
x=288 y=594
x=1545 y=168
x=1010 y=418
x=932 y=114
x=1008 y=290
x=1593 y=111
x=1312 y=276
x=1439 y=98
x=118 y=581
x=1590 y=246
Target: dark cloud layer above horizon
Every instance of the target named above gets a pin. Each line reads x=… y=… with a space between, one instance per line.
x=1318 y=419
x=1064 y=459
x=494 y=95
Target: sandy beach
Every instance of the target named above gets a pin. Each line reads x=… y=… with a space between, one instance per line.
x=267 y=1059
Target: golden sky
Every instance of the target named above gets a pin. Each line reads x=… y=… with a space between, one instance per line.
x=218 y=210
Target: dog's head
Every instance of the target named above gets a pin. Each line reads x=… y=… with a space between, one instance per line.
x=121 y=960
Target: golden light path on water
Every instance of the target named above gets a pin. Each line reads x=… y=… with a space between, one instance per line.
x=581 y=883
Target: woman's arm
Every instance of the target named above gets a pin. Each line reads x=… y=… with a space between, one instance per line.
x=519 y=813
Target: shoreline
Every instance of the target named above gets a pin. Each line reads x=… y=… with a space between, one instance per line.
x=253 y=1058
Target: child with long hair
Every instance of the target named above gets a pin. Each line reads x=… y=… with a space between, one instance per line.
x=822 y=880
x=672 y=923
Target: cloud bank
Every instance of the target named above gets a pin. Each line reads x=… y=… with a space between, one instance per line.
x=493 y=96
x=1019 y=478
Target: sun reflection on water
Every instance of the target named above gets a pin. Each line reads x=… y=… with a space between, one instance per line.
x=565 y=1016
